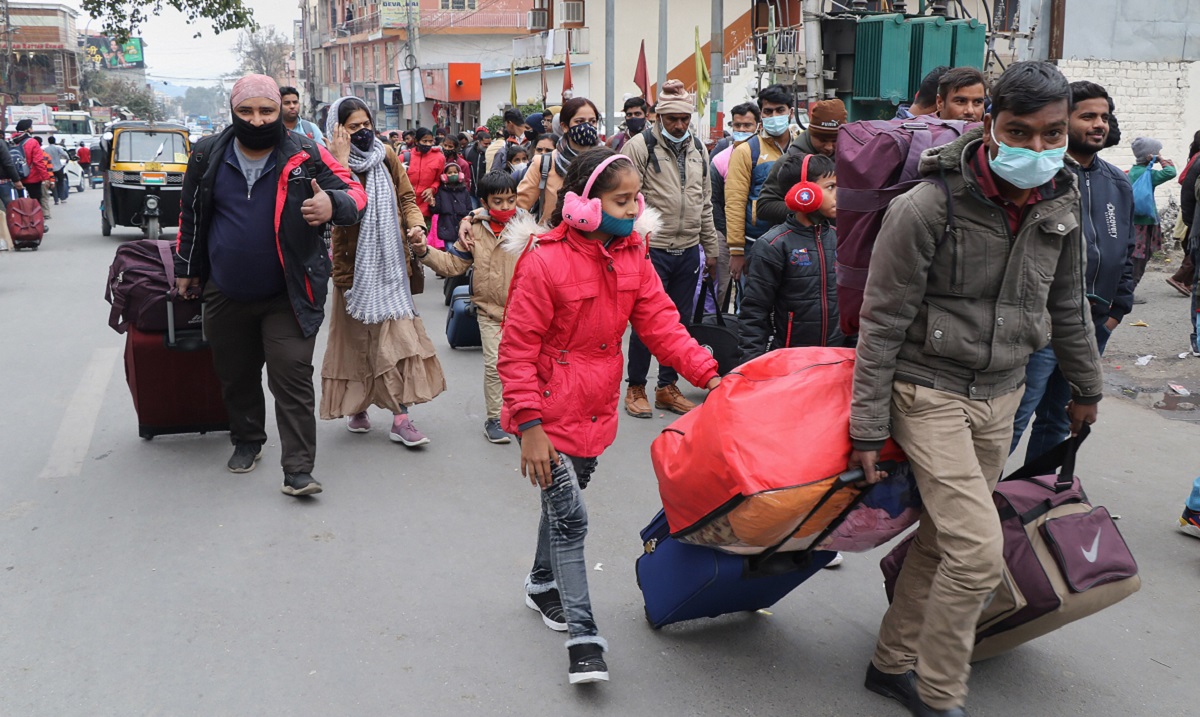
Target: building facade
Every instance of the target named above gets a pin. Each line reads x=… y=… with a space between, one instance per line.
x=41 y=55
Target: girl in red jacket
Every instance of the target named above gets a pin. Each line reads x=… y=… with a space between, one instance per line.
x=575 y=290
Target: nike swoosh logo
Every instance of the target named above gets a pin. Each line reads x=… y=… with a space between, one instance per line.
x=1090 y=555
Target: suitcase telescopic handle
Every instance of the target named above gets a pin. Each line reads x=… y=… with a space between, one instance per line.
x=844 y=479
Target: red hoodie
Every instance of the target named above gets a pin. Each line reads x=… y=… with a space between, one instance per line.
x=425 y=172
x=560 y=355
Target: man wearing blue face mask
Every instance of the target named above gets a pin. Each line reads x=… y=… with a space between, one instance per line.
x=743 y=120
x=749 y=166
x=674 y=169
x=973 y=271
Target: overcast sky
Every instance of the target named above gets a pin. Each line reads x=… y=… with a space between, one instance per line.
x=172 y=53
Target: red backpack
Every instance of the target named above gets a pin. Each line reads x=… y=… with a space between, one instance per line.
x=877 y=161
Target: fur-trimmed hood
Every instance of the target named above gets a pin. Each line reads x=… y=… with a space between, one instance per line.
x=524 y=227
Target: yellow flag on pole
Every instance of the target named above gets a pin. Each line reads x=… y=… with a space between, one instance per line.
x=703 y=79
x=512 y=84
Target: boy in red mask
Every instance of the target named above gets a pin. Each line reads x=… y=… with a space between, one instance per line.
x=493 y=274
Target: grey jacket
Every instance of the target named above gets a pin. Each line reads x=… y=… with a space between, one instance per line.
x=958 y=303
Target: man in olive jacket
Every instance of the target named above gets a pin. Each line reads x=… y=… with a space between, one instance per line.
x=972 y=272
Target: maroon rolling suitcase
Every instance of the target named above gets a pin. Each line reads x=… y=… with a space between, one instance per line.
x=172 y=381
x=26 y=222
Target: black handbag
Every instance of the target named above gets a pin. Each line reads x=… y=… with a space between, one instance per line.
x=716 y=333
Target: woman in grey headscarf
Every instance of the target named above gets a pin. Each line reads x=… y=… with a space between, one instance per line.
x=378 y=352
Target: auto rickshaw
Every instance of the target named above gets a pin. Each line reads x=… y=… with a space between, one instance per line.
x=142 y=166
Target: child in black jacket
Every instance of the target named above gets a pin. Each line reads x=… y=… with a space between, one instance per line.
x=790 y=292
x=452 y=203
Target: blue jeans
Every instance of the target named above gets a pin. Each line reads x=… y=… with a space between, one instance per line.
x=1194 y=317
x=1047 y=394
x=678 y=274
x=559 y=561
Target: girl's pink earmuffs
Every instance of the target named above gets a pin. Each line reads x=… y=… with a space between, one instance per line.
x=585 y=213
x=805 y=196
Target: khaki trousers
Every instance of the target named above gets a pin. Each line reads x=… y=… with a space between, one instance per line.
x=493 y=391
x=957 y=448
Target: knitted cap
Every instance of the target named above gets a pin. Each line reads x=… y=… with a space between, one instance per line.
x=674 y=100
x=826 y=116
x=1146 y=147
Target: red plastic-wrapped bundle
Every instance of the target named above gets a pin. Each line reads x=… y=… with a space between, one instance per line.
x=744 y=469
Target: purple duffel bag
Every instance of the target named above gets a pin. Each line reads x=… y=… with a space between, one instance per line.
x=1064 y=559
x=141 y=284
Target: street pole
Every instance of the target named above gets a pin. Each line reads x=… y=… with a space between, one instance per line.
x=716 y=71
x=610 y=51
x=814 y=78
x=662 y=46
x=413 y=119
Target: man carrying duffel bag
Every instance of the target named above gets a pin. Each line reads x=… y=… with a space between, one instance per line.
x=972 y=272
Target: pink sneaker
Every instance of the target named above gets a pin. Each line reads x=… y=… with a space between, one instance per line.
x=403 y=431
x=358 y=423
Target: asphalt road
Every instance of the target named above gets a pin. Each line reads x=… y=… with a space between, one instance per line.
x=140 y=578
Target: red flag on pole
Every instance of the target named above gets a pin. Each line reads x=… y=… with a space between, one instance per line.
x=641 y=77
x=568 y=83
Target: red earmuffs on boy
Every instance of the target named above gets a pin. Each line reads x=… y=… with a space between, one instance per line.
x=805 y=196
x=585 y=213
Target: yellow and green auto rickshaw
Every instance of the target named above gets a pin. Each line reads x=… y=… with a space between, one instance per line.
x=142 y=164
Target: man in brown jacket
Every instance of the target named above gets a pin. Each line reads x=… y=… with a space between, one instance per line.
x=972 y=272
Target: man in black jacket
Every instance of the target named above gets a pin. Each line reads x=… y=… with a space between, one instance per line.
x=256 y=199
x=1107 y=217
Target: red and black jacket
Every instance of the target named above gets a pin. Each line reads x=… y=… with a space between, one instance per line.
x=302 y=250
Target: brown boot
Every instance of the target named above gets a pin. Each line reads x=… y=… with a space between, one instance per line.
x=670 y=399
x=636 y=403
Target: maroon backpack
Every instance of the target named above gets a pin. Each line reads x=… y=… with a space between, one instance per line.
x=877 y=161
x=141 y=283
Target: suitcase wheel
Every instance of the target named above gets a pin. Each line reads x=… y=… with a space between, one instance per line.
x=646 y=610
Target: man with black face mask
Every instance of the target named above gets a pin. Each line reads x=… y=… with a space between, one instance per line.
x=256 y=199
x=635 y=122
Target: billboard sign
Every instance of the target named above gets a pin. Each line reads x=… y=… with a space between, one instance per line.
x=104 y=53
x=397 y=13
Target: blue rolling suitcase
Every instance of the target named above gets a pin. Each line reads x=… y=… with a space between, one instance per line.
x=462 y=327
x=681 y=582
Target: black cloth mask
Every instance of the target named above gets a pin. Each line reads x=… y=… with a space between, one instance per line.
x=258 y=138
x=364 y=139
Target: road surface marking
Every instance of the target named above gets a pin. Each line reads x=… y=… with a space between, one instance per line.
x=79 y=422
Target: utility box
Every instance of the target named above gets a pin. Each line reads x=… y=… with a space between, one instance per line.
x=932 y=45
x=970 y=43
x=451 y=82
x=882 y=47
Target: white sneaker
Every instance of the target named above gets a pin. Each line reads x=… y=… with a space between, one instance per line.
x=837 y=560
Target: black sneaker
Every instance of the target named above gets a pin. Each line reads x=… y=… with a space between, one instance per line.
x=493 y=431
x=587 y=664
x=902 y=688
x=300 y=484
x=549 y=604
x=245 y=455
